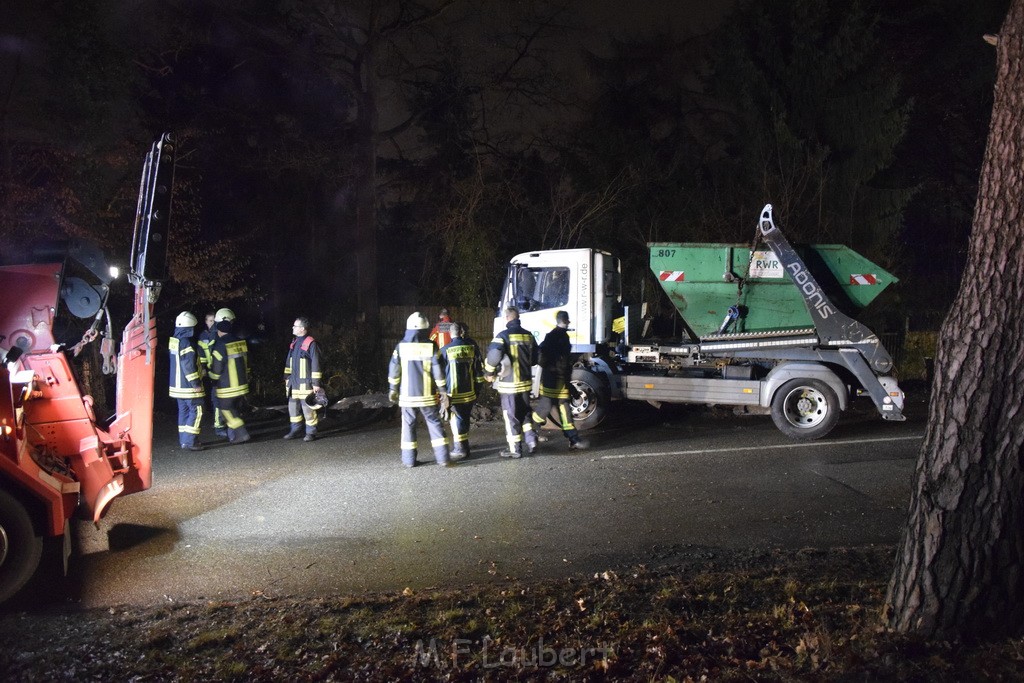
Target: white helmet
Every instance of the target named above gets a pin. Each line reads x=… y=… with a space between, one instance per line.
x=417 y=321
x=185 y=319
x=223 y=314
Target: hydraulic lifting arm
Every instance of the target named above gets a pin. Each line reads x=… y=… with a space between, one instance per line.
x=860 y=349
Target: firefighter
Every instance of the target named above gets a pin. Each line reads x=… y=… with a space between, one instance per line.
x=442 y=332
x=414 y=378
x=302 y=376
x=229 y=370
x=460 y=360
x=513 y=351
x=555 y=374
x=206 y=339
x=186 y=385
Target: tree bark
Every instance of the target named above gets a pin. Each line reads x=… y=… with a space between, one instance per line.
x=960 y=568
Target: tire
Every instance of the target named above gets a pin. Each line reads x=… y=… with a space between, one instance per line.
x=20 y=546
x=805 y=409
x=588 y=398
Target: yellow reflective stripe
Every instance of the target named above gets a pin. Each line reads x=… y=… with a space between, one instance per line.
x=513 y=387
x=318 y=375
x=566 y=419
x=443 y=441
x=408 y=445
x=416 y=401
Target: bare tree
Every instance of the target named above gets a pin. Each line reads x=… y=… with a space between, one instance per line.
x=960 y=568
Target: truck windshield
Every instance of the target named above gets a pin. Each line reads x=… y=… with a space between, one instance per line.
x=535 y=289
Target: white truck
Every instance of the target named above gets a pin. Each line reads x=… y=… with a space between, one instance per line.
x=761 y=330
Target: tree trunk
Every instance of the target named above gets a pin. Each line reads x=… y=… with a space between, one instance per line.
x=366 y=181
x=960 y=569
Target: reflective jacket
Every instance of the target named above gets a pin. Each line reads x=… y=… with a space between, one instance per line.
x=519 y=346
x=415 y=371
x=229 y=368
x=555 y=364
x=442 y=333
x=302 y=367
x=206 y=339
x=184 y=381
x=460 y=361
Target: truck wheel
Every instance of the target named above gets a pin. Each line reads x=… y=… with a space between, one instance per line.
x=805 y=409
x=588 y=398
x=20 y=546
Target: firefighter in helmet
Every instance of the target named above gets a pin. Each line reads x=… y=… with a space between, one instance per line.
x=415 y=379
x=186 y=385
x=302 y=376
x=229 y=370
x=460 y=360
x=509 y=363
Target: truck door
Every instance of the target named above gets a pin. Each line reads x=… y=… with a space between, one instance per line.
x=542 y=283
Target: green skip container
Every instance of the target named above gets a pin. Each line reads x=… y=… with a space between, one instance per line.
x=704 y=280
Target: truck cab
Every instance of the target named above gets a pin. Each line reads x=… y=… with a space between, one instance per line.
x=586 y=283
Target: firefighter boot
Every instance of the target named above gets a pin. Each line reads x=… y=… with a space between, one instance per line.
x=512 y=451
x=238 y=435
x=310 y=435
x=579 y=444
x=293 y=433
x=460 y=451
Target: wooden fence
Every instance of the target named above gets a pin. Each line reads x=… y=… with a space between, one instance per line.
x=480 y=322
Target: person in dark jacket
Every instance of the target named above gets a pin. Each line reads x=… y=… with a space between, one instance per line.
x=415 y=379
x=509 y=363
x=555 y=374
x=461 y=363
x=302 y=376
x=206 y=339
x=229 y=370
x=185 y=385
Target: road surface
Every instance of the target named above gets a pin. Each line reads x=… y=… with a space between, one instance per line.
x=340 y=515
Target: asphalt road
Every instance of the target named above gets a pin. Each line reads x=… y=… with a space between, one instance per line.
x=341 y=515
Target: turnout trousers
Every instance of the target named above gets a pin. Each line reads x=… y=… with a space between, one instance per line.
x=459 y=422
x=544 y=407
x=438 y=441
x=299 y=411
x=518 y=423
x=235 y=424
x=190 y=414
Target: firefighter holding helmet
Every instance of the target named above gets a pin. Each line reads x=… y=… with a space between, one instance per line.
x=415 y=378
x=186 y=385
x=229 y=370
x=302 y=377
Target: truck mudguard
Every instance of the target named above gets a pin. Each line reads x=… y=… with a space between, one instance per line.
x=781 y=374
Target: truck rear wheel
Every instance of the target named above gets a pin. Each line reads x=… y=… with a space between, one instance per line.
x=20 y=546
x=805 y=409
x=588 y=398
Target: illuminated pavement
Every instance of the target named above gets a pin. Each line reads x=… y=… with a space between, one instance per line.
x=341 y=515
